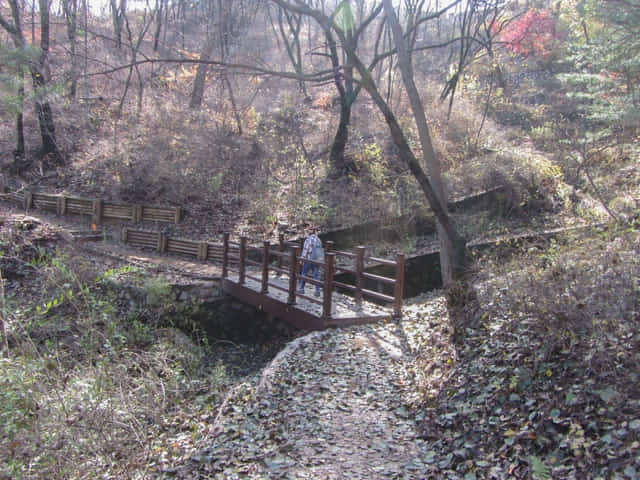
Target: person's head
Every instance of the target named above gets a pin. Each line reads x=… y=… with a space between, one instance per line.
x=313 y=229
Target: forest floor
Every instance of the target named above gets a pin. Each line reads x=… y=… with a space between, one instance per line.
x=332 y=405
x=408 y=400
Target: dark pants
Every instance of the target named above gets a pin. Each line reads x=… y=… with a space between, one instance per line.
x=315 y=270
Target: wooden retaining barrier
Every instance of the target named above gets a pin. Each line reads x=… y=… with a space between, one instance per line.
x=99 y=210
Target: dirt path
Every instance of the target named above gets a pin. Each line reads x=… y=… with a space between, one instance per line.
x=332 y=405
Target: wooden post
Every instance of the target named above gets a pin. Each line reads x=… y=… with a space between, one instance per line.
x=203 y=251
x=97 y=212
x=329 y=259
x=359 y=270
x=282 y=248
x=178 y=215
x=162 y=242
x=243 y=254
x=28 y=200
x=293 y=268
x=301 y=241
x=265 y=267
x=328 y=246
x=137 y=213
x=61 y=205
x=124 y=234
x=397 y=304
x=225 y=255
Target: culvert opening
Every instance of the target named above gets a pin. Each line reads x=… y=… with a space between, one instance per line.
x=232 y=321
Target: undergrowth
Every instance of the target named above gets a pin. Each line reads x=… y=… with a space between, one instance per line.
x=545 y=382
x=86 y=390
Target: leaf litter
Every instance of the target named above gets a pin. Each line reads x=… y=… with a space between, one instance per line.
x=403 y=401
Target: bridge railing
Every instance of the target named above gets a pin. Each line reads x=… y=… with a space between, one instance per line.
x=284 y=258
x=257 y=261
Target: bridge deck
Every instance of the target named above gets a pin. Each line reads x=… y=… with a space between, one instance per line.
x=305 y=313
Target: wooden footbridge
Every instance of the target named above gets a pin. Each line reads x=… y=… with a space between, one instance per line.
x=262 y=274
x=266 y=275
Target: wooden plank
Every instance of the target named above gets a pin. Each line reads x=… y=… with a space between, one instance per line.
x=79 y=206
x=119 y=211
x=351 y=321
x=62 y=205
x=45 y=202
x=379 y=278
x=377 y=295
x=346 y=286
x=382 y=261
x=157 y=214
x=265 y=268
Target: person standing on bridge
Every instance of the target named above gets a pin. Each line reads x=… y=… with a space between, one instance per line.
x=311 y=250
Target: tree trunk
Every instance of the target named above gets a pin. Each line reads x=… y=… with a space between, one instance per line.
x=234 y=106
x=405 y=153
x=160 y=5
x=199 y=82
x=71 y=16
x=452 y=253
x=40 y=78
x=117 y=16
x=18 y=154
x=339 y=144
x=45 y=118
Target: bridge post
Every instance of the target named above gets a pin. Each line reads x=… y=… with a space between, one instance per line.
x=28 y=200
x=282 y=247
x=225 y=255
x=359 y=270
x=243 y=257
x=399 y=287
x=265 y=267
x=293 y=268
x=329 y=259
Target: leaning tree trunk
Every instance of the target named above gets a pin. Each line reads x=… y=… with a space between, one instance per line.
x=452 y=252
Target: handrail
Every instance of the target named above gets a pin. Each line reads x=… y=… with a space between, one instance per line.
x=379 y=278
x=382 y=261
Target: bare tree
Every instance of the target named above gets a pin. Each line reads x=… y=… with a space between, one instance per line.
x=288 y=30
x=70 y=8
x=39 y=74
x=453 y=244
x=147 y=21
x=226 y=20
x=118 y=12
x=161 y=8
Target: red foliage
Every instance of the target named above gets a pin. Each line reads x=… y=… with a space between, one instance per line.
x=533 y=34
